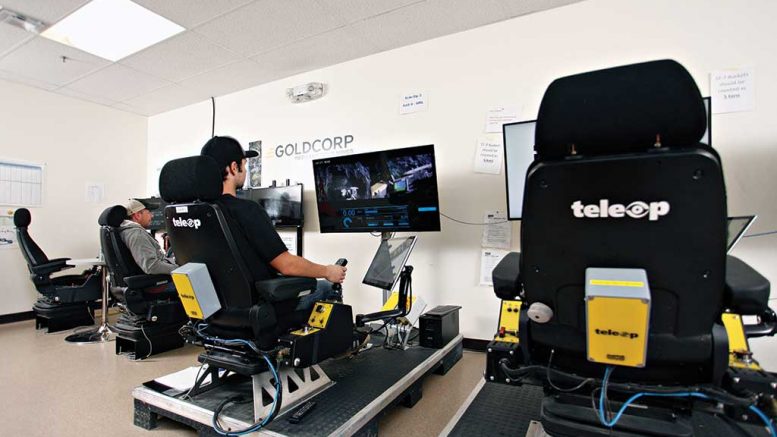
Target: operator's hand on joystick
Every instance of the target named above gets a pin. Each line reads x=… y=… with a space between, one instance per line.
x=335 y=273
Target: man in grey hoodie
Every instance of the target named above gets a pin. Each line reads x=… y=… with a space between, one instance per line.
x=144 y=248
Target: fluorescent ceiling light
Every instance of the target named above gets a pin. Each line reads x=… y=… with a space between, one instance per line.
x=112 y=29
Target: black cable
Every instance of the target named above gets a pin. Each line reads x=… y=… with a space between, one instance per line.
x=564 y=390
x=760 y=234
x=213 y=122
x=473 y=224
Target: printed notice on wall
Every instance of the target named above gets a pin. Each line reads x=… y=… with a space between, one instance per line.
x=499 y=115
x=94 y=192
x=498 y=232
x=732 y=90
x=412 y=102
x=488 y=158
x=7 y=230
x=489 y=258
x=289 y=238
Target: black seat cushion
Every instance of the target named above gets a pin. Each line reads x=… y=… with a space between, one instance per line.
x=275 y=290
x=112 y=216
x=747 y=291
x=620 y=110
x=22 y=218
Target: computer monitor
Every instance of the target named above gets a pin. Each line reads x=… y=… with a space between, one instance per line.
x=388 y=262
x=737 y=226
x=283 y=204
x=707 y=138
x=519 y=154
x=387 y=191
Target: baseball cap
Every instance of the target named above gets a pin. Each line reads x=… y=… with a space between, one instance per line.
x=226 y=150
x=135 y=205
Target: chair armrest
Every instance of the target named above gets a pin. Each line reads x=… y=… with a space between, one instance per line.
x=139 y=282
x=507 y=276
x=747 y=291
x=53 y=266
x=284 y=288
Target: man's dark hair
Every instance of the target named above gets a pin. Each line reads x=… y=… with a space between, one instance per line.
x=225 y=150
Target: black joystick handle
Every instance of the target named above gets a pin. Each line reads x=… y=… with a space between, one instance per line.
x=340 y=262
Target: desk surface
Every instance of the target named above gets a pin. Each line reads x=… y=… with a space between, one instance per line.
x=85 y=261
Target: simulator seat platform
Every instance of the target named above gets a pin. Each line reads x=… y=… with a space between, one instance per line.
x=361 y=388
x=151 y=316
x=67 y=301
x=262 y=349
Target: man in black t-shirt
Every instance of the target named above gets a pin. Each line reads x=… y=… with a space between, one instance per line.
x=259 y=244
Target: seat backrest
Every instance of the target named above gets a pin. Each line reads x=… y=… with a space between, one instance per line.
x=607 y=197
x=118 y=257
x=198 y=230
x=30 y=250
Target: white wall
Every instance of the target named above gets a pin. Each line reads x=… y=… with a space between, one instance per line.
x=506 y=63
x=79 y=143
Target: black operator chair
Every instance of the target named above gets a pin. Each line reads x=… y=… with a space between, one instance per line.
x=260 y=311
x=151 y=315
x=67 y=301
x=621 y=181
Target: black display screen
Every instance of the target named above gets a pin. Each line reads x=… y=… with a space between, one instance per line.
x=283 y=204
x=388 y=191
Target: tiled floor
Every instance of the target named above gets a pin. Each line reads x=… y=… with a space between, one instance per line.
x=52 y=388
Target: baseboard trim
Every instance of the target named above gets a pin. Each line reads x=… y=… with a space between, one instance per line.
x=16 y=317
x=475 y=344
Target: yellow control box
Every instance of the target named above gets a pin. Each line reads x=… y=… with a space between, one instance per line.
x=617 y=303
x=196 y=291
x=509 y=316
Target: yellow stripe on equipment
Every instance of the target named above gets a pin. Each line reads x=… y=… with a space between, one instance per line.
x=195 y=288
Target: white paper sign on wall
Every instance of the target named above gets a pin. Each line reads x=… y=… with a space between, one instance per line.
x=732 y=90
x=412 y=102
x=496 y=116
x=488 y=158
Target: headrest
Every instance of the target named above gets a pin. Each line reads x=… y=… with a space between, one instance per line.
x=22 y=218
x=189 y=179
x=620 y=110
x=112 y=216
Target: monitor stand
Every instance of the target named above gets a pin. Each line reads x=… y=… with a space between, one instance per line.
x=386 y=293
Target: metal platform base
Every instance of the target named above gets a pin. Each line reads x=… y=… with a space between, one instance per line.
x=364 y=386
x=494 y=409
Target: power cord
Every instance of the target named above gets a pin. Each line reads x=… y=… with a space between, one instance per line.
x=213 y=122
x=761 y=234
x=470 y=223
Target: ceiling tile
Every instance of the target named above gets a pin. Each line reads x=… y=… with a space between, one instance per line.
x=41 y=59
x=11 y=37
x=266 y=24
x=230 y=78
x=117 y=83
x=48 y=11
x=322 y=50
x=522 y=7
x=181 y=56
x=167 y=98
x=412 y=24
x=355 y=10
x=65 y=91
x=191 y=13
x=127 y=108
x=12 y=77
